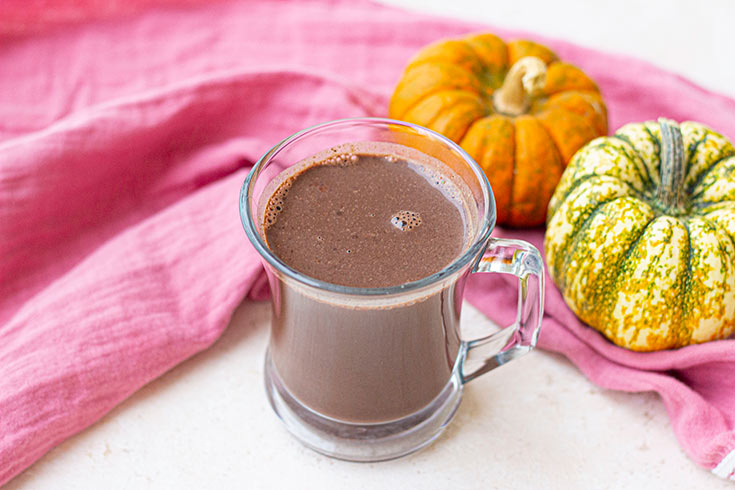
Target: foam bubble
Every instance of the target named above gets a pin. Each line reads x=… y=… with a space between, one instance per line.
x=440 y=181
x=275 y=204
x=340 y=159
x=406 y=220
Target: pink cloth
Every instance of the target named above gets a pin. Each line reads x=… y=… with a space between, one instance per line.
x=124 y=137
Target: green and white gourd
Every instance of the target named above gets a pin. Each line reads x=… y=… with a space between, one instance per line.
x=641 y=235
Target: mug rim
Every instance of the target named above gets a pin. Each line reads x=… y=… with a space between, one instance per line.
x=487 y=219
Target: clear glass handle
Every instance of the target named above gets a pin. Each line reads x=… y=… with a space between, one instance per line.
x=524 y=261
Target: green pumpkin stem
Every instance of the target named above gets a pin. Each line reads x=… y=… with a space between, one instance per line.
x=673 y=167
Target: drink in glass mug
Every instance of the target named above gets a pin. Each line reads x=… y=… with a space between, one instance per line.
x=368 y=229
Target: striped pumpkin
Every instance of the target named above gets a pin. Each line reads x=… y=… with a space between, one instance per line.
x=518 y=110
x=640 y=235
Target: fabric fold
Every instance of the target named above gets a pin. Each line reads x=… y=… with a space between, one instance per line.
x=122 y=251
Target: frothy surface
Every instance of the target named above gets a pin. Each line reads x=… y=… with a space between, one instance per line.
x=406 y=220
x=367 y=220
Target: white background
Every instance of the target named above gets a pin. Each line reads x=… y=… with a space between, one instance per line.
x=695 y=38
x=535 y=423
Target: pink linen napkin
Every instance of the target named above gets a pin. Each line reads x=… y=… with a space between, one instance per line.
x=124 y=137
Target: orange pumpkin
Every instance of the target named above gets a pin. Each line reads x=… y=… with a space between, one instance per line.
x=515 y=108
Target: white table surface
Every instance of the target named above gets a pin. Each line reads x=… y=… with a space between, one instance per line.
x=535 y=423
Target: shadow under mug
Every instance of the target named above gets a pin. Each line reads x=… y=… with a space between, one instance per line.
x=370 y=374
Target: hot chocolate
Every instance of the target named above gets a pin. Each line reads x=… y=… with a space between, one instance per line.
x=366 y=219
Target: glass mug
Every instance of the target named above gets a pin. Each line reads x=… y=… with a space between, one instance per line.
x=370 y=374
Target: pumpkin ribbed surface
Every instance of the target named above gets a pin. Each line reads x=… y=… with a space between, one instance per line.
x=522 y=130
x=641 y=235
